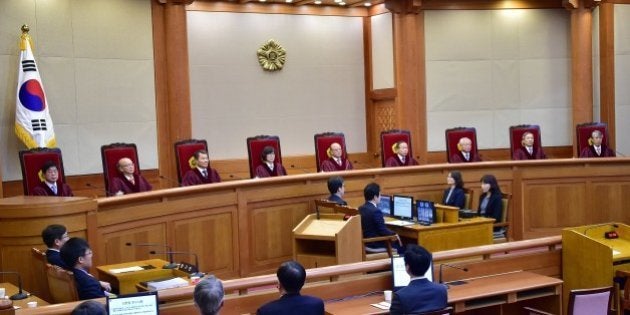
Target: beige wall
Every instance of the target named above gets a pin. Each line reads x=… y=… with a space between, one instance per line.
x=622 y=77
x=382 y=52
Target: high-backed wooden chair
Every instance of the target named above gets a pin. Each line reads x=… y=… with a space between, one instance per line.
x=31 y=162
x=389 y=139
x=255 y=145
x=516 y=137
x=445 y=311
x=469 y=194
x=111 y=154
x=590 y=301
x=39 y=258
x=322 y=145
x=184 y=151
x=61 y=284
x=502 y=232
x=452 y=141
x=584 y=132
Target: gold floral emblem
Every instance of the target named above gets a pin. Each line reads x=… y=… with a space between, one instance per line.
x=271 y=56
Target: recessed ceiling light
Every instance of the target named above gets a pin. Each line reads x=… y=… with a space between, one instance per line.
x=342 y=3
x=367 y=4
x=318 y=2
x=288 y=1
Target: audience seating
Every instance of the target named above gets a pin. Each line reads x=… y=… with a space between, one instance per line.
x=111 y=154
x=503 y=234
x=31 y=162
x=184 y=151
x=389 y=139
x=255 y=145
x=40 y=272
x=516 y=137
x=590 y=301
x=61 y=284
x=584 y=131
x=322 y=145
x=452 y=140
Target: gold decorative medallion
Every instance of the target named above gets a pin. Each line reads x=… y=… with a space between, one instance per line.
x=271 y=56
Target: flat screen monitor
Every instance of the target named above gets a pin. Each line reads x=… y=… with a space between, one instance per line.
x=426 y=211
x=403 y=207
x=144 y=303
x=385 y=205
x=399 y=273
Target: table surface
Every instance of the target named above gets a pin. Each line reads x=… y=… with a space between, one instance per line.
x=12 y=289
x=419 y=227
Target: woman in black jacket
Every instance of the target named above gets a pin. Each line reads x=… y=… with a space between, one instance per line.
x=490 y=204
x=454 y=195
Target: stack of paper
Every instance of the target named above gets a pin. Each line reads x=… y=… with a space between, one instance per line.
x=167 y=284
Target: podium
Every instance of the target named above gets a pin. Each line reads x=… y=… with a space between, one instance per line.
x=589 y=259
x=327 y=241
x=124 y=282
x=446 y=214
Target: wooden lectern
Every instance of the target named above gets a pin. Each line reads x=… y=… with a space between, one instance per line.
x=327 y=241
x=590 y=259
x=446 y=214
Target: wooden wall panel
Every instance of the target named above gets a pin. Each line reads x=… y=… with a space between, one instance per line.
x=115 y=249
x=615 y=196
x=553 y=205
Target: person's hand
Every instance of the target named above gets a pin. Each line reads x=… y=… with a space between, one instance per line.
x=106 y=286
x=399 y=241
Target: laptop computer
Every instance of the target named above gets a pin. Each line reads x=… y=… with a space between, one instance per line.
x=400 y=277
x=143 y=303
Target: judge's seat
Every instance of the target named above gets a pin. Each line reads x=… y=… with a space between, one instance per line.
x=452 y=140
x=184 y=151
x=516 y=137
x=111 y=154
x=322 y=145
x=31 y=162
x=389 y=139
x=584 y=132
x=255 y=146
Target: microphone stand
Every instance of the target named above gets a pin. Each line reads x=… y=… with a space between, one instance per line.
x=171 y=264
x=193 y=274
x=21 y=295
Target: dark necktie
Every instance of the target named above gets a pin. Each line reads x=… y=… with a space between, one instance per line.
x=204 y=173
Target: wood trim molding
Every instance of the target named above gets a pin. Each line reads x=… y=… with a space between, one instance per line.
x=276 y=8
x=383 y=94
x=607 y=69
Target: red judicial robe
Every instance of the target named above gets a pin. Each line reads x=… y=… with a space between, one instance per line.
x=522 y=154
x=264 y=171
x=458 y=157
x=194 y=177
x=63 y=190
x=120 y=183
x=330 y=165
x=589 y=152
x=394 y=161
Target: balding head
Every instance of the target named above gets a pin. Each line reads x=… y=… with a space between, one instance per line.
x=126 y=166
x=335 y=150
x=597 y=137
x=465 y=143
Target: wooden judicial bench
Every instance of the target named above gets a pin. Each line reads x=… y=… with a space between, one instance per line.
x=244 y=228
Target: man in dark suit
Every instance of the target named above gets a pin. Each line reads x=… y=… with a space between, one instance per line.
x=336 y=188
x=54 y=236
x=291 y=277
x=77 y=255
x=421 y=295
x=203 y=173
x=372 y=221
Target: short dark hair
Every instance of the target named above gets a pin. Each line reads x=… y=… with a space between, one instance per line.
x=334 y=183
x=53 y=232
x=418 y=259
x=89 y=308
x=457 y=177
x=208 y=295
x=266 y=151
x=494 y=185
x=73 y=249
x=48 y=164
x=371 y=190
x=291 y=276
x=198 y=152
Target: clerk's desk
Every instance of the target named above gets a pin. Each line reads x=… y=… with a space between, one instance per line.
x=125 y=282
x=494 y=294
x=12 y=289
x=445 y=236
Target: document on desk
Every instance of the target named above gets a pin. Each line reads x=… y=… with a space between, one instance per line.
x=399 y=223
x=167 y=284
x=127 y=269
x=382 y=305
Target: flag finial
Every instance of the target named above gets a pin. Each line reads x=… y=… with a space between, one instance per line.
x=25 y=29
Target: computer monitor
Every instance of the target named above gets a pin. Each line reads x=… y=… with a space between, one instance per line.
x=400 y=276
x=385 y=204
x=143 y=303
x=425 y=211
x=403 y=207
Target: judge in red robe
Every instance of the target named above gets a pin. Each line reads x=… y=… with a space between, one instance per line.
x=528 y=151
x=202 y=173
x=127 y=181
x=52 y=184
x=597 y=149
x=401 y=158
x=465 y=154
x=336 y=162
x=269 y=166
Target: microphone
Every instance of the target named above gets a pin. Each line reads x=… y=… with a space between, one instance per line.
x=20 y=295
x=304 y=170
x=170 y=264
x=193 y=271
x=613 y=225
x=450 y=266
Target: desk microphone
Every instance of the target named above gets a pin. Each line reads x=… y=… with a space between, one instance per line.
x=450 y=266
x=192 y=270
x=170 y=264
x=304 y=170
x=20 y=295
x=613 y=225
